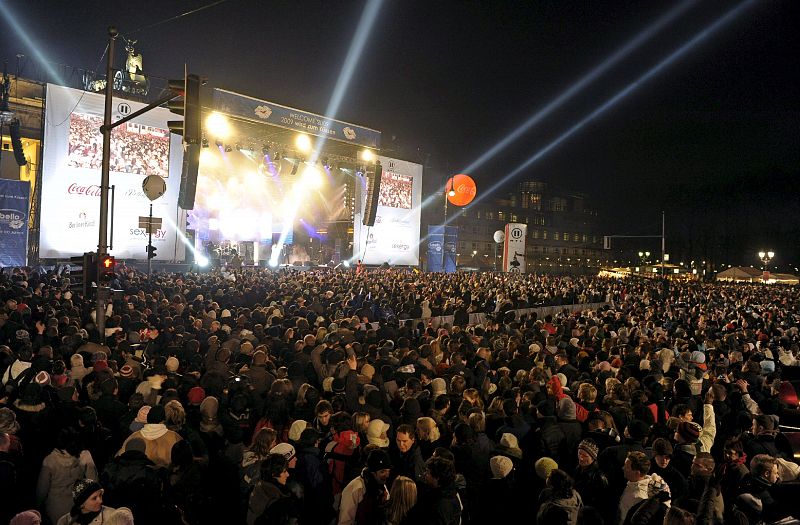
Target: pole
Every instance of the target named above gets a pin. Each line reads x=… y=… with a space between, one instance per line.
x=150 y=241
x=495 y=256
x=444 y=226
x=663 y=243
x=102 y=246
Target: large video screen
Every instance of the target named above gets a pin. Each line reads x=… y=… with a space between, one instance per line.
x=135 y=149
x=394 y=238
x=72 y=160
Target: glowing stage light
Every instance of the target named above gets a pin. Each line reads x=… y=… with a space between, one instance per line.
x=201 y=261
x=217 y=125
x=608 y=104
x=303 y=142
x=367 y=155
x=207 y=158
x=312 y=177
x=346 y=263
x=587 y=79
x=273 y=264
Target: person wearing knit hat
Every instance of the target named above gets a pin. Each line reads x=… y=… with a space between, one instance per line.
x=544 y=466
x=87 y=498
x=172 y=364
x=500 y=466
x=366 y=374
x=509 y=445
x=126 y=371
x=688 y=432
x=296 y=429
x=590 y=448
x=8 y=421
x=196 y=395
x=29 y=517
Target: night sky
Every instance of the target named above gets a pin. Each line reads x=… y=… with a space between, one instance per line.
x=713 y=139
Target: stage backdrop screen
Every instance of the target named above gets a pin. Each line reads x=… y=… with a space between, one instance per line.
x=73 y=154
x=395 y=236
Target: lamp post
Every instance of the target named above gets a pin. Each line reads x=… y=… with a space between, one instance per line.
x=765 y=257
x=449 y=191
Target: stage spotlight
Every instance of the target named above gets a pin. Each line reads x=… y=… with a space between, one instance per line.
x=228 y=149
x=264 y=150
x=273 y=263
x=218 y=143
x=201 y=261
x=294 y=168
x=205 y=143
x=303 y=142
x=312 y=177
x=238 y=147
x=346 y=263
x=367 y=155
x=217 y=125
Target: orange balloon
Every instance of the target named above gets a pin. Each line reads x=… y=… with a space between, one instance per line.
x=464 y=187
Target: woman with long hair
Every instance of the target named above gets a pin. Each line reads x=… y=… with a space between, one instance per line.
x=402 y=498
x=263 y=441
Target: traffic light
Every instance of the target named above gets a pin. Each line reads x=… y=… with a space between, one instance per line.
x=107 y=266
x=188 y=105
x=151 y=252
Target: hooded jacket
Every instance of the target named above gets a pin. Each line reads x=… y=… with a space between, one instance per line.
x=158 y=441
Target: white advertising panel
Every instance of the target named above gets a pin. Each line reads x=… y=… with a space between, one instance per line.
x=73 y=147
x=514 y=248
x=395 y=236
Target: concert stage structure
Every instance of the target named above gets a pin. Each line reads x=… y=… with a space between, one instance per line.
x=274 y=186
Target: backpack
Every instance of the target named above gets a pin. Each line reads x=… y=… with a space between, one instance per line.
x=343 y=457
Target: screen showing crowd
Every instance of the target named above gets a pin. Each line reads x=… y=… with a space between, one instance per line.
x=395 y=190
x=135 y=149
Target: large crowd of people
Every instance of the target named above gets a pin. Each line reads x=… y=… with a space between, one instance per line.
x=135 y=149
x=321 y=397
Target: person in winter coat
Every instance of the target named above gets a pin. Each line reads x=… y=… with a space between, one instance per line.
x=733 y=471
x=271 y=501
x=559 y=502
x=439 y=503
x=363 y=499
x=87 y=505
x=590 y=482
x=407 y=457
x=66 y=464
x=132 y=480
x=312 y=473
x=157 y=437
x=500 y=499
x=635 y=470
x=402 y=498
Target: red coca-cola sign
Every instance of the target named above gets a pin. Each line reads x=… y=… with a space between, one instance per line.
x=90 y=191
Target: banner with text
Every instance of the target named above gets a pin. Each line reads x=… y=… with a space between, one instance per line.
x=514 y=248
x=266 y=112
x=14 y=197
x=395 y=236
x=73 y=154
x=442 y=244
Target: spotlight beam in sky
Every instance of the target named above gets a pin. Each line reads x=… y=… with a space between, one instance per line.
x=22 y=33
x=361 y=35
x=630 y=88
x=587 y=79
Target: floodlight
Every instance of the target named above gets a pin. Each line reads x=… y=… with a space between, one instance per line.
x=367 y=155
x=303 y=142
x=218 y=125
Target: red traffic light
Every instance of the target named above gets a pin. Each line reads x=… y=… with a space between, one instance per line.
x=107 y=265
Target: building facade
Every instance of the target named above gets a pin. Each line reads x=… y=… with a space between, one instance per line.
x=564 y=234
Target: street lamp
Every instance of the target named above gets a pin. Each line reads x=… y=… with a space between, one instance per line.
x=766 y=257
x=449 y=191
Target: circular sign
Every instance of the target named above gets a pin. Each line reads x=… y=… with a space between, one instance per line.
x=464 y=188
x=516 y=233
x=154 y=187
x=499 y=236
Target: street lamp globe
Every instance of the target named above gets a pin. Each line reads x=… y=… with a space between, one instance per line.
x=762 y=254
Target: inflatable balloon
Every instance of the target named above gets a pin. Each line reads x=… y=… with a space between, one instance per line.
x=464 y=188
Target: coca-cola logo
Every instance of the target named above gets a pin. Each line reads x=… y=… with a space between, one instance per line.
x=90 y=191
